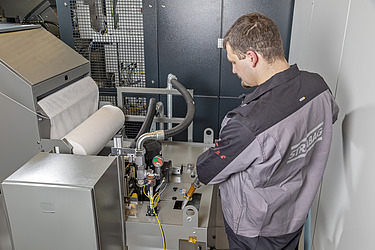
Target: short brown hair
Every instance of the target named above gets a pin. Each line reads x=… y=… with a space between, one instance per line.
x=255 y=32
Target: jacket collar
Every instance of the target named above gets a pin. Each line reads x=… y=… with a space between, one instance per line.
x=271 y=83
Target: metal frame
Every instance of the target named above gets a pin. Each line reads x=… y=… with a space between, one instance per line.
x=157 y=91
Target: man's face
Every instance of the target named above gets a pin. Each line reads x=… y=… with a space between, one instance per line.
x=242 y=68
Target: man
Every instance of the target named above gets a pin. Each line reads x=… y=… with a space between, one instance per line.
x=273 y=148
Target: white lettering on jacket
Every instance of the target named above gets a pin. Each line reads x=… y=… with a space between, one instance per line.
x=301 y=149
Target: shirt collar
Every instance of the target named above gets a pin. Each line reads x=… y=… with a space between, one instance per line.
x=271 y=83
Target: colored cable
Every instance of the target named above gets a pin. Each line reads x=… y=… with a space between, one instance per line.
x=161 y=228
x=157 y=196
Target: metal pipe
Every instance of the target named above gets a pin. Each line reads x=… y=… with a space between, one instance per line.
x=160 y=109
x=157 y=135
x=307 y=234
x=169 y=98
x=151 y=195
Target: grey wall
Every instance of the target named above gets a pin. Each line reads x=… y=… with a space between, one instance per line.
x=335 y=38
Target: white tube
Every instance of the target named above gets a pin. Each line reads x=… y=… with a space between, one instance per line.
x=92 y=135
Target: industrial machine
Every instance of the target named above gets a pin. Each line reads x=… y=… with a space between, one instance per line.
x=70 y=193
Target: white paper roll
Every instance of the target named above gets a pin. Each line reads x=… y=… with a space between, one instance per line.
x=92 y=135
x=70 y=106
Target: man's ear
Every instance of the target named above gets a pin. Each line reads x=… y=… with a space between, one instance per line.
x=253 y=57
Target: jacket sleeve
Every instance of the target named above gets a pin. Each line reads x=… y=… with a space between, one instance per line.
x=231 y=154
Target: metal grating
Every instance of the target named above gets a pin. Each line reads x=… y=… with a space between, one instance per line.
x=109 y=33
x=135 y=106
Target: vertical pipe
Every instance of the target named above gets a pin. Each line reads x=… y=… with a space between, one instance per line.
x=169 y=104
x=160 y=109
x=123 y=189
x=169 y=100
x=307 y=234
x=190 y=128
x=151 y=195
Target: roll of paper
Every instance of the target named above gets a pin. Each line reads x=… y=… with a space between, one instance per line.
x=92 y=135
x=70 y=106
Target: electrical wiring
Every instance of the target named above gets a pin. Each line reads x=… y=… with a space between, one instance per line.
x=157 y=199
x=145 y=192
x=153 y=205
x=161 y=228
x=164 y=188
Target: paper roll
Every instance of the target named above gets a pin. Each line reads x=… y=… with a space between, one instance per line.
x=70 y=106
x=92 y=135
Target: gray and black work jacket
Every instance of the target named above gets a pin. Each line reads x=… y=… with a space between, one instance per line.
x=271 y=154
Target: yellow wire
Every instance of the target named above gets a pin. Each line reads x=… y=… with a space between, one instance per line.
x=157 y=198
x=157 y=195
x=161 y=229
x=145 y=192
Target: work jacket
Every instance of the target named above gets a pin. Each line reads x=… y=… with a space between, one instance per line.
x=271 y=154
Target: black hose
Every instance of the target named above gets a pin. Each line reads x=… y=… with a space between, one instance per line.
x=189 y=114
x=151 y=111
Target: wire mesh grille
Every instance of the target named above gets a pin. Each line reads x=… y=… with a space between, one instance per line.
x=109 y=33
x=108 y=99
x=135 y=106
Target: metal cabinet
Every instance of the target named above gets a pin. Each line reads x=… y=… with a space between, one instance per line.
x=181 y=37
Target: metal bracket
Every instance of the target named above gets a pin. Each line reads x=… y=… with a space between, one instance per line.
x=208 y=136
x=190 y=216
x=123 y=151
x=57 y=146
x=220 y=43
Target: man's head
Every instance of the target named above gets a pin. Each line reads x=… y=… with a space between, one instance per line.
x=253 y=40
